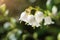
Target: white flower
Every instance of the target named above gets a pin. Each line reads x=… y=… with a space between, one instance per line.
x=54 y=10
x=3 y=7
x=32 y=21
x=58 y=37
x=12 y=37
x=48 y=2
x=6 y=12
x=48 y=20
x=23 y=16
x=19 y=32
x=32 y=1
x=6 y=25
x=39 y=16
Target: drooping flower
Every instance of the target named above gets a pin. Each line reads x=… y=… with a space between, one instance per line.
x=32 y=21
x=32 y=1
x=7 y=25
x=12 y=37
x=48 y=20
x=39 y=16
x=23 y=16
x=54 y=10
x=49 y=4
x=36 y=19
x=3 y=8
x=58 y=37
x=6 y=13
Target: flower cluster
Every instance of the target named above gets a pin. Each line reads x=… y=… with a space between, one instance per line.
x=36 y=19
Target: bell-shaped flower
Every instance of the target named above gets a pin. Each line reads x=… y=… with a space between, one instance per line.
x=39 y=16
x=3 y=8
x=32 y=21
x=54 y=10
x=48 y=20
x=7 y=25
x=12 y=37
x=48 y=2
x=6 y=13
x=32 y=1
x=23 y=16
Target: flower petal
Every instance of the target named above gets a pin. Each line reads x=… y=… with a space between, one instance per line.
x=48 y=20
x=39 y=16
x=54 y=10
x=23 y=16
x=32 y=21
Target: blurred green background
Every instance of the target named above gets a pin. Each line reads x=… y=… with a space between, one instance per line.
x=12 y=29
